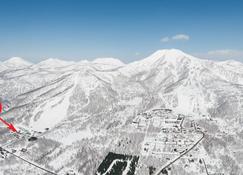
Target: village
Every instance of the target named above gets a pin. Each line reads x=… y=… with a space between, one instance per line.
x=164 y=134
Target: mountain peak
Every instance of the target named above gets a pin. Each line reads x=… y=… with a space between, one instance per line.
x=173 y=50
x=112 y=61
x=54 y=62
x=173 y=53
x=16 y=62
x=167 y=55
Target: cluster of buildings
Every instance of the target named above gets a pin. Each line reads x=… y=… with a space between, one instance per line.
x=165 y=132
x=166 y=144
x=160 y=118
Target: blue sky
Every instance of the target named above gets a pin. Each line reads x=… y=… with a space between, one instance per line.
x=124 y=29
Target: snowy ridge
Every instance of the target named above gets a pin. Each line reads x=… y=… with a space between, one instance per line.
x=172 y=56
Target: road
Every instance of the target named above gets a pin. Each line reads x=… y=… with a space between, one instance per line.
x=205 y=167
x=23 y=159
x=181 y=155
x=29 y=162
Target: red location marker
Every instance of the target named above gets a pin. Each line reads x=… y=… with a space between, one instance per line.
x=9 y=125
x=1 y=107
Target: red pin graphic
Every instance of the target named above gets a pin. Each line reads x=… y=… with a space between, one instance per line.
x=9 y=125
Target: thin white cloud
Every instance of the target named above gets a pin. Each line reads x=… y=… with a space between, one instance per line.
x=223 y=54
x=165 y=39
x=175 y=37
x=181 y=37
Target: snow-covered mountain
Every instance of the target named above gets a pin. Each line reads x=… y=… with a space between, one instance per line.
x=16 y=62
x=84 y=108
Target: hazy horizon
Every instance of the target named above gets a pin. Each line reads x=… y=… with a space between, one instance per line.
x=93 y=59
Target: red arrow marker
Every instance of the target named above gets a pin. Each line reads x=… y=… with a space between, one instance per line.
x=9 y=125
